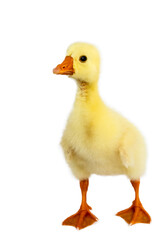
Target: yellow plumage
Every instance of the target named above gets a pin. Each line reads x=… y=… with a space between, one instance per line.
x=98 y=140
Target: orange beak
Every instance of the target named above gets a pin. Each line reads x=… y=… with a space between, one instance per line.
x=66 y=67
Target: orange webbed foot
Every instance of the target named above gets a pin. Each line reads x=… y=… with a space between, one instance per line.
x=135 y=214
x=81 y=219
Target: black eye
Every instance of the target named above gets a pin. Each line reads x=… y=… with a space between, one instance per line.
x=83 y=59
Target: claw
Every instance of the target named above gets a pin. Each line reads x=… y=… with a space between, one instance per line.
x=135 y=214
x=81 y=219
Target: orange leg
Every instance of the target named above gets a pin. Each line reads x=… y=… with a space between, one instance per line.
x=136 y=213
x=83 y=217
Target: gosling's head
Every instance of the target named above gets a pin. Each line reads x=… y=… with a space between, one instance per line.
x=82 y=63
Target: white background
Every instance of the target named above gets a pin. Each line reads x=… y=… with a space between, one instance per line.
x=37 y=189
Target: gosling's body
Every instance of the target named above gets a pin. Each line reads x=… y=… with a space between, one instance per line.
x=98 y=140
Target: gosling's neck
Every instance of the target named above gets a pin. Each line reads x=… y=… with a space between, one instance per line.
x=87 y=92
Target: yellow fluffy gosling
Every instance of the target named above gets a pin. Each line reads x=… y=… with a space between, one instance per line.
x=98 y=140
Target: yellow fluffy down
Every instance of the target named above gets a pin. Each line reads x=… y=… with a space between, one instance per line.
x=98 y=140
